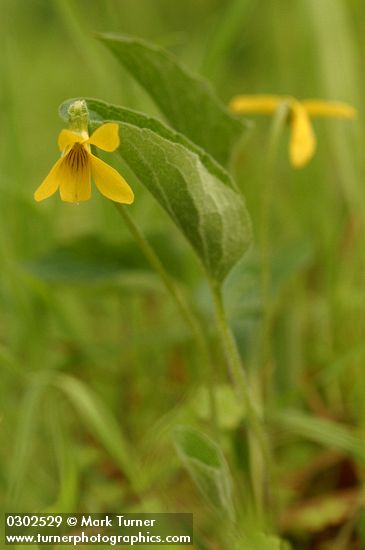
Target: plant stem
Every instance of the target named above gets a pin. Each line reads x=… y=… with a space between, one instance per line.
x=186 y=312
x=277 y=126
x=241 y=384
x=264 y=346
x=259 y=447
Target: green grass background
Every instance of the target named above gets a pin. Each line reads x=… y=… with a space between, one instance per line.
x=117 y=332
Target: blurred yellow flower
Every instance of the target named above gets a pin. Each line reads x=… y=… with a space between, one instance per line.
x=72 y=172
x=302 y=140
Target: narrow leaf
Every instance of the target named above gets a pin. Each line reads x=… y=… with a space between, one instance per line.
x=186 y=100
x=325 y=432
x=29 y=416
x=100 y=422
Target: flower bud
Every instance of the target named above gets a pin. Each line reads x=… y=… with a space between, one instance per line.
x=78 y=117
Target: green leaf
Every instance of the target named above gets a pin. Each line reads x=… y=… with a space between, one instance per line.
x=324 y=432
x=260 y=541
x=186 y=100
x=88 y=259
x=229 y=411
x=102 y=424
x=92 y=260
x=232 y=23
x=242 y=290
x=206 y=464
x=192 y=188
x=25 y=435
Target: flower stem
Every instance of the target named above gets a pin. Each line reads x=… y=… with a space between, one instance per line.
x=185 y=310
x=264 y=344
x=277 y=127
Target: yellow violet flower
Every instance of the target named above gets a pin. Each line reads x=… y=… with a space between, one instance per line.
x=302 y=140
x=72 y=172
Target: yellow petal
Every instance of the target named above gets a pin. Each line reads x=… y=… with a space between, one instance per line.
x=51 y=183
x=110 y=183
x=265 y=104
x=335 y=109
x=106 y=137
x=67 y=137
x=75 y=180
x=302 y=140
